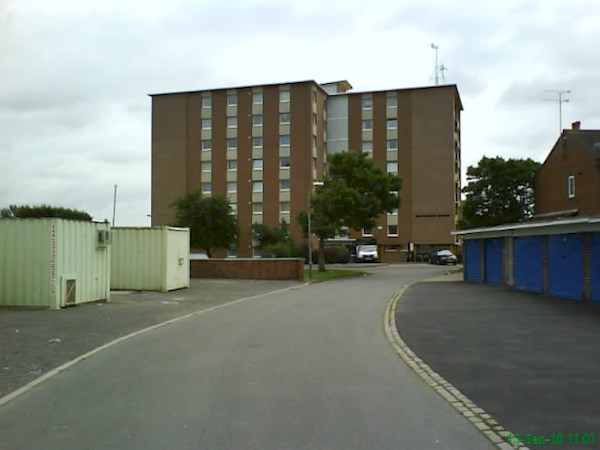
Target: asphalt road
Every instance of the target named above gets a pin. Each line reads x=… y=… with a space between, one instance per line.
x=308 y=368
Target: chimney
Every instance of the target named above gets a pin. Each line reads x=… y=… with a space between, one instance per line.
x=576 y=125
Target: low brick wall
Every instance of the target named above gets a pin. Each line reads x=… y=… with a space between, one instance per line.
x=248 y=268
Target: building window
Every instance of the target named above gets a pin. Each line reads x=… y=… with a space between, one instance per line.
x=257 y=98
x=391 y=102
x=257 y=120
x=392 y=144
x=231 y=143
x=257 y=142
x=257 y=208
x=206 y=102
x=284 y=140
x=233 y=207
x=284 y=95
x=367 y=146
x=284 y=162
x=284 y=185
x=367 y=232
x=392 y=124
x=232 y=100
x=392 y=230
x=393 y=212
x=231 y=186
x=314 y=119
x=367 y=103
x=232 y=122
x=392 y=166
x=284 y=118
x=571 y=186
x=257 y=164
x=367 y=125
x=257 y=186
x=206 y=166
x=232 y=164
x=206 y=188
x=206 y=124
x=206 y=145
x=284 y=207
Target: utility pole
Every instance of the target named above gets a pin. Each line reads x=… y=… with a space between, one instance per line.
x=114 y=205
x=437 y=70
x=560 y=98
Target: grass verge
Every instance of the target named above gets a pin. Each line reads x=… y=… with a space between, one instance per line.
x=332 y=274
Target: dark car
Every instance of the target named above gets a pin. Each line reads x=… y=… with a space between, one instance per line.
x=443 y=257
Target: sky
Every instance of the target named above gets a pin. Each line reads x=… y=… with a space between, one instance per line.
x=75 y=77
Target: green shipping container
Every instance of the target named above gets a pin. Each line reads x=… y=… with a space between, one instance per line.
x=52 y=263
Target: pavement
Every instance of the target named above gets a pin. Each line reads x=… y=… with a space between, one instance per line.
x=529 y=361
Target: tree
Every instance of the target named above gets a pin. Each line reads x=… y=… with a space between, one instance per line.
x=354 y=194
x=210 y=219
x=43 y=211
x=277 y=241
x=498 y=191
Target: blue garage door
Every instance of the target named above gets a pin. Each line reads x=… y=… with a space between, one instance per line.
x=494 y=272
x=528 y=263
x=595 y=266
x=472 y=257
x=565 y=266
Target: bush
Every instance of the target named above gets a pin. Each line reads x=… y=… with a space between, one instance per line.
x=337 y=255
x=280 y=250
x=43 y=211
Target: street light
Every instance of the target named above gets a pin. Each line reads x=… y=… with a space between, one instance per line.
x=310 y=263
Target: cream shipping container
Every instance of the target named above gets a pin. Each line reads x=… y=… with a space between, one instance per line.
x=150 y=259
x=52 y=263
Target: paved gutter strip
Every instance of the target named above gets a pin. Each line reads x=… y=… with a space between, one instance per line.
x=484 y=422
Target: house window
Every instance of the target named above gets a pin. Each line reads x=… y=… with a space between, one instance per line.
x=206 y=145
x=284 y=207
x=284 y=95
x=367 y=125
x=392 y=230
x=367 y=232
x=367 y=103
x=392 y=166
x=231 y=143
x=206 y=102
x=284 y=118
x=257 y=142
x=257 y=208
x=284 y=162
x=367 y=146
x=284 y=140
x=206 y=188
x=392 y=144
x=393 y=212
x=231 y=186
x=392 y=124
x=257 y=164
x=206 y=124
x=206 y=166
x=232 y=100
x=233 y=207
x=257 y=98
x=391 y=102
x=571 y=186
x=257 y=120
x=232 y=164
x=232 y=122
x=257 y=186
x=284 y=185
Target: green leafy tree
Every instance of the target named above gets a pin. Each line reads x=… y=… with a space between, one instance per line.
x=277 y=241
x=498 y=191
x=354 y=194
x=210 y=220
x=43 y=211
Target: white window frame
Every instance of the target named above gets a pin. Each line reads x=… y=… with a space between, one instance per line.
x=284 y=96
x=365 y=123
x=394 y=212
x=229 y=147
x=257 y=139
x=394 y=101
x=257 y=98
x=231 y=184
x=285 y=189
x=232 y=162
x=369 y=234
x=289 y=162
x=571 y=186
x=257 y=208
x=388 y=166
x=206 y=145
x=389 y=147
x=281 y=122
x=230 y=97
x=289 y=140
x=366 y=104
x=394 y=123
x=206 y=166
x=232 y=122
x=257 y=164
x=256 y=184
x=287 y=210
x=206 y=102
x=203 y=188
x=392 y=234
x=207 y=124
x=233 y=207
x=370 y=147
x=254 y=121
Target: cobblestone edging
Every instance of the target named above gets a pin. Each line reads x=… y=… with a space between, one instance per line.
x=474 y=414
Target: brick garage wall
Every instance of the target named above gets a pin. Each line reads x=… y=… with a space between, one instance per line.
x=250 y=269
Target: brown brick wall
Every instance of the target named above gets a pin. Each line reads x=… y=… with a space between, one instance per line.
x=250 y=269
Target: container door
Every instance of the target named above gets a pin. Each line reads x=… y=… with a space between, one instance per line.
x=493 y=261
x=565 y=266
x=528 y=263
x=472 y=257
x=595 y=266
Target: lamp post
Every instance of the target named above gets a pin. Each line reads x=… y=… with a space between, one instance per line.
x=310 y=263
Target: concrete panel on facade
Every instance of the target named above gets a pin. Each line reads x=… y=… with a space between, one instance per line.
x=391 y=113
x=206 y=156
x=565 y=266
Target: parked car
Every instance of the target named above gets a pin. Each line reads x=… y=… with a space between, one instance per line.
x=443 y=257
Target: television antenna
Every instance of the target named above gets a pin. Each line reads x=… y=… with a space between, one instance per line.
x=560 y=99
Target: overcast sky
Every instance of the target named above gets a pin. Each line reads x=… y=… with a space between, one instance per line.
x=75 y=74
